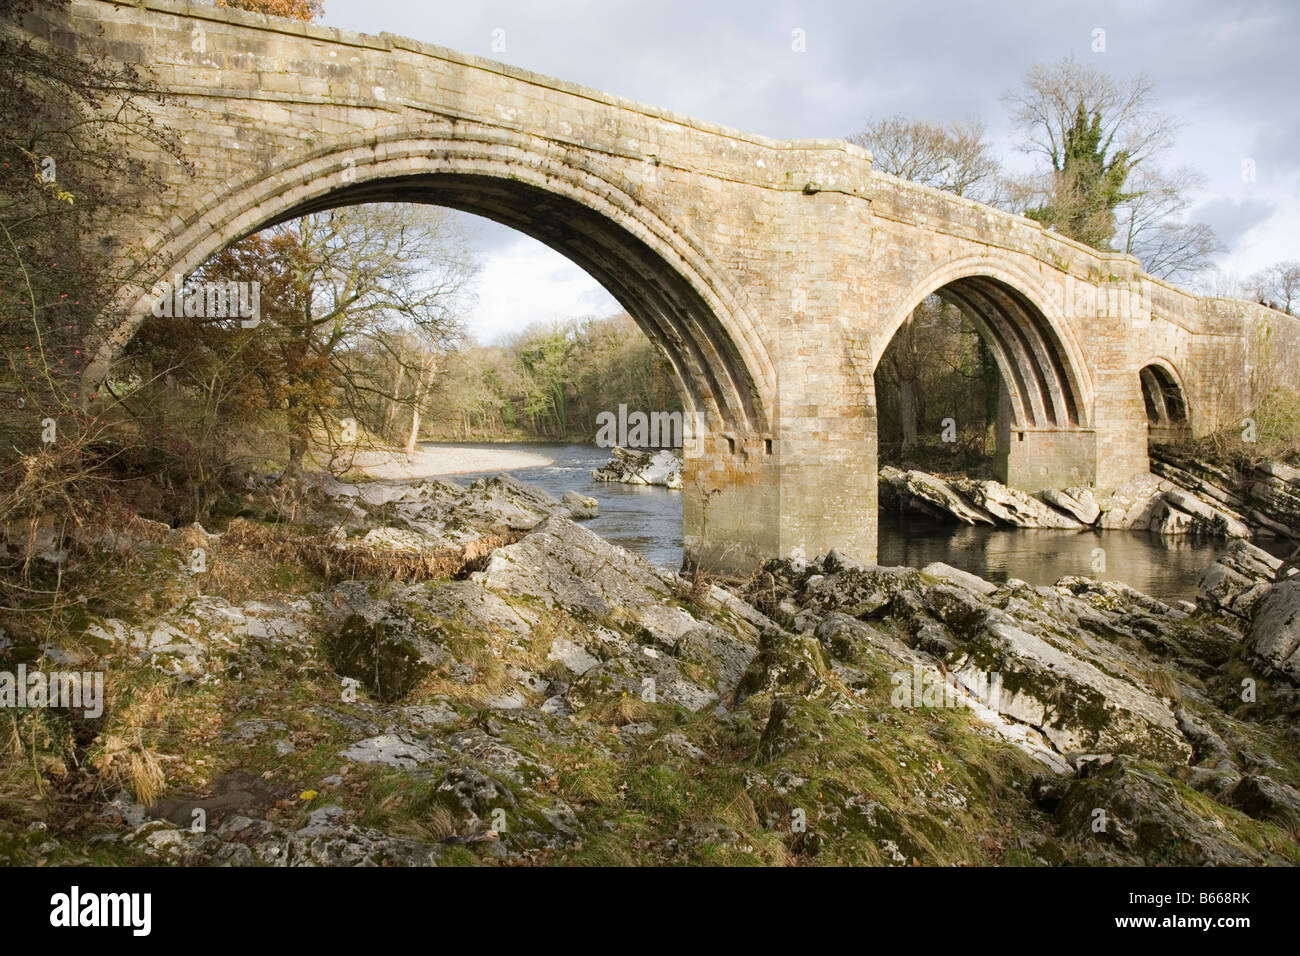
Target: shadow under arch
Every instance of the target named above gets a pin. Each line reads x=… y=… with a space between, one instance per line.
x=656 y=271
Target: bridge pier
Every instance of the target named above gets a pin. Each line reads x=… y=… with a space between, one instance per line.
x=1119 y=419
x=729 y=502
x=1033 y=459
x=808 y=486
x=746 y=499
x=1103 y=456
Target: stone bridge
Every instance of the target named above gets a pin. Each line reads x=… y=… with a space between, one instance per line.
x=772 y=273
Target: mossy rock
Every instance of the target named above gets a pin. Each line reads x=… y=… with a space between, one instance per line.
x=786 y=663
x=382 y=656
x=1127 y=812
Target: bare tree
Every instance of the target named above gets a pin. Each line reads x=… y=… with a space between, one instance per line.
x=1153 y=228
x=1100 y=138
x=1277 y=287
x=955 y=158
x=934 y=367
x=352 y=303
x=392 y=276
x=1048 y=104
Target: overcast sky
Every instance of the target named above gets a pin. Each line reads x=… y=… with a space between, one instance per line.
x=1229 y=70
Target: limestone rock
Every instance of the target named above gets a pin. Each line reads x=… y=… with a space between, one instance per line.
x=566 y=565
x=436 y=515
x=1206 y=519
x=1123 y=809
x=720 y=652
x=1012 y=507
x=1266 y=799
x=1238 y=580
x=394 y=750
x=580 y=506
x=1274 y=637
x=1076 y=502
x=1281 y=471
x=631 y=467
x=571 y=656
x=1076 y=705
x=848 y=639
x=929 y=495
x=972 y=582
x=650 y=678
x=388 y=657
x=506 y=500
x=1134 y=505
x=788 y=663
x=858 y=592
x=971 y=502
x=1265 y=500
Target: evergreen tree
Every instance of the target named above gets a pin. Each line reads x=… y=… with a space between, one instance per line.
x=1087 y=183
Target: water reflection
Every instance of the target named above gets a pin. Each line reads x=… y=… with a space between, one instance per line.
x=1164 y=567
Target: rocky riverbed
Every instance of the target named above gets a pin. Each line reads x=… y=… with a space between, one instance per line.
x=439 y=674
x=1181 y=495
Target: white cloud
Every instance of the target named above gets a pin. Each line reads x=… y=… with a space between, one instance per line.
x=525 y=282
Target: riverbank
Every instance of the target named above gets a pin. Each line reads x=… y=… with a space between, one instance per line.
x=1180 y=496
x=440 y=460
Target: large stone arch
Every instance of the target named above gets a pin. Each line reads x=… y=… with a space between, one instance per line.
x=1033 y=344
x=1044 y=436
x=658 y=272
x=740 y=254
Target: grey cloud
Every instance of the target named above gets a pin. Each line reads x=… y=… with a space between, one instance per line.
x=1228 y=69
x=1278 y=147
x=1231 y=219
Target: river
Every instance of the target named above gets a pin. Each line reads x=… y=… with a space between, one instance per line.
x=649 y=522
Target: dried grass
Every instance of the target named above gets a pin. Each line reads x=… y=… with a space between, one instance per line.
x=323 y=555
x=123 y=761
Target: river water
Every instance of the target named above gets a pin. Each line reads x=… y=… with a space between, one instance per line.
x=649 y=522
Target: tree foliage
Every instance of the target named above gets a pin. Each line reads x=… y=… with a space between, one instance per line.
x=1087 y=182
x=356 y=303
x=1277 y=286
x=936 y=367
x=551 y=380
x=63 y=116
x=1153 y=226
x=1053 y=97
